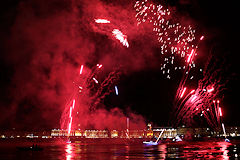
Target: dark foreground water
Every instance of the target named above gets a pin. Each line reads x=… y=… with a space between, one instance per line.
x=112 y=149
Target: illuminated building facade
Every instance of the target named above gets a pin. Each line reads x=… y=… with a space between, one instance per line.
x=168 y=132
x=103 y=133
x=149 y=133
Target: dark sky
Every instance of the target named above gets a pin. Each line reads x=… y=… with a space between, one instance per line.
x=43 y=41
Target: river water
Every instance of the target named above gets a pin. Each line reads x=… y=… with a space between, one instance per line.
x=105 y=149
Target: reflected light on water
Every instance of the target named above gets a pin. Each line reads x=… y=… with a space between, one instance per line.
x=207 y=150
x=69 y=151
x=224 y=149
x=114 y=149
x=127 y=152
x=190 y=150
x=163 y=149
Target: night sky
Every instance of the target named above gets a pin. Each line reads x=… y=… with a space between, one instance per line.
x=44 y=42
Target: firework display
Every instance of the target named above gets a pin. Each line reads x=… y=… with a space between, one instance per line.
x=88 y=92
x=177 y=41
x=202 y=100
x=179 y=50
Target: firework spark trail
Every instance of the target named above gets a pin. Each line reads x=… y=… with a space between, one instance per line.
x=219 y=117
x=102 y=21
x=184 y=90
x=121 y=37
x=70 y=117
x=220 y=112
x=105 y=87
x=198 y=103
x=216 y=111
x=182 y=84
x=210 y=90
x=175 y=39
x=67 y=120
x=190 y=57
x=202 y=100
x=95 y=80
x=81 y=69
x=116 y=90
x=186 y=73
x=90 y=90
x=116 y=33
x=224 y=131
x=184 y=79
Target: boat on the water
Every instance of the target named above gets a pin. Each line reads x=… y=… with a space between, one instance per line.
x=177 y=139
x=156 y=142
x=227 y=140
x=150 y=143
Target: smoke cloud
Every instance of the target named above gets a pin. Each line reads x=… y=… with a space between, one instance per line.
x=47 y=44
